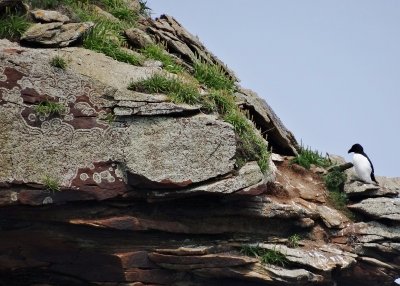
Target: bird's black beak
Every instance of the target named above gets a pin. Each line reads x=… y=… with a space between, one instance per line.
x=351 y=150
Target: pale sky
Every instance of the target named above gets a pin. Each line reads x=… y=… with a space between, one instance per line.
x=329 y=69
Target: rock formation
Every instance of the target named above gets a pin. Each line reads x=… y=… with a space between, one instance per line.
x=120 y=187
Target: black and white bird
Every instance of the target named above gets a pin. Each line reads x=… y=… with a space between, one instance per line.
x=362 y=164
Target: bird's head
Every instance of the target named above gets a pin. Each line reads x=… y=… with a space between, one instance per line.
x=356 y=148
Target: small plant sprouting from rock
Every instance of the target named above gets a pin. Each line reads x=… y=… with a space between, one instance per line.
x=58 y=62
x=306 y=157
x=266 y=256
x=109 y=118
x=51 y=184
x=293 y=240
x=47 y=108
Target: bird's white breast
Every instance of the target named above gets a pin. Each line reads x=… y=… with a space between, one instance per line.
x=362 y=167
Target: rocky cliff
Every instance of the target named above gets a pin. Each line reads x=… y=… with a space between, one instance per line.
x=104 y=181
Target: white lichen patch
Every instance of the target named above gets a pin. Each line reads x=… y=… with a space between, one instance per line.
x=85 y=108
x=103 y=175
x=84 y=176
x=97 y=178
x=32 y=117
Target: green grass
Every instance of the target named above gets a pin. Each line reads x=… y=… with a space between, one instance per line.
x=13 y=25
x=45 y=4
x=157 y=52
x=293 y=240
x=58 y=62
x=120 y=10
x=47 y=108
x=212 y=76
x=177 y=90
x=251 y=146
x=334 y=180
x=266 y=256
x=306 y=157
x=109 y=118
x=106 y=38
x=51 y=184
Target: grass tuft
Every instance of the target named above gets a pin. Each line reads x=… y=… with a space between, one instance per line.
x=120 y=10
x=293 y=240
x=13 y=25
x=106 y=38
x=307 y=157
x=213 y=76
x=51 y=184
x=266 y=256
x=178 y=91
x=47 y=108
x=144 y=9
x=251 y=146
x=157 y=52
x=58 y=62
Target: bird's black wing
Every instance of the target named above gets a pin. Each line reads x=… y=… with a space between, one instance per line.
x=372 y=166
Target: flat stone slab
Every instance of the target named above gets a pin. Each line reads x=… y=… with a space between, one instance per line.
x=324 y=258
x=56 y=34
x=249 y=175
x=362 y=190
x=49 y=16
x=379 y=208
x=170 y=152
x=332 y=218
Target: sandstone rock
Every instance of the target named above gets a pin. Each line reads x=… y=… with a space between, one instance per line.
x=184 y=263
x=179 y=41
x=104 y=69
x=372 y=232
x=324 y=258
x=56 y=34
x=357 y=189
x=268 y=275
x=250 y=174
x=49 y=16
x=332 y=218
x=279 y=137
x=86 y=147
x=182 y=151
x=391 y=184
x=379 y=208
x=138 y=38
x=277 y=158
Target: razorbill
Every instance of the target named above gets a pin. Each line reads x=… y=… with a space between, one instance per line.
x=362 y=164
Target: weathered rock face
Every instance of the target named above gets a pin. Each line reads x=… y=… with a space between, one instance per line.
x=49 y=16
x=56 y=34
x=128 y=188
